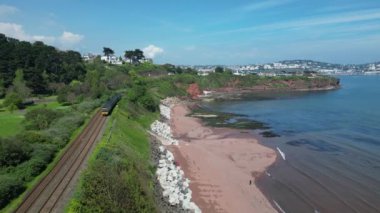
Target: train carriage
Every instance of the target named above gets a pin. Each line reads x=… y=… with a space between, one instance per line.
x=109 y=105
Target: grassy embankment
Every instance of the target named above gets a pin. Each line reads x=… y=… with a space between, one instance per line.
x=120 y=175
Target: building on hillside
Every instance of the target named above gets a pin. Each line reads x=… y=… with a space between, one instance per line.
x=89 y=57
x=268 y=67
x=205 y=71
x=111 y=59
x=372 y=67
x=267 y=74
x=144 y=60
x=239 y=73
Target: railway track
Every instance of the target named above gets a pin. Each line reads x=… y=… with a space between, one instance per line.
x=50 y=193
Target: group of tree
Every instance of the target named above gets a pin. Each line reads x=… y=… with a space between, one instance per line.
x=42 y=65
x=219 y=69
x=17 y=92
x=108 y=51
x=134 y=56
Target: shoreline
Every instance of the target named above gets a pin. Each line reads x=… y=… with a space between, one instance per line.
x=208 y=156
x=233 y=93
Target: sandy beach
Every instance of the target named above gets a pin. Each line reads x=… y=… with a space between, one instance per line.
x=221 y=163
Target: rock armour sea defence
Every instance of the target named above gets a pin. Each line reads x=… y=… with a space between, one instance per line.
x=163 y=130
x=171 y=178
x=175 y=186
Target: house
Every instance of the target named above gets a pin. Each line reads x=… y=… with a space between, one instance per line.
x=268 y=67
x=89 y=57
x=239 y=73
x=267 y=74
x=111 y=59
x=205 y=71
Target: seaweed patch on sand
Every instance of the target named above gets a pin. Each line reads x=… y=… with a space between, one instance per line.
x=231 y=120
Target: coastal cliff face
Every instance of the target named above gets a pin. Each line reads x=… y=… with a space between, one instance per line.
x=225 y=85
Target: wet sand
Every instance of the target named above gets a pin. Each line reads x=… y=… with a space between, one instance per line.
x=221 y=163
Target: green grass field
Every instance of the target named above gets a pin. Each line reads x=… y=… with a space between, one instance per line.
x=11 y=122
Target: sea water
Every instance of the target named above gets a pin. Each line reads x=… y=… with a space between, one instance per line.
x=329 y=144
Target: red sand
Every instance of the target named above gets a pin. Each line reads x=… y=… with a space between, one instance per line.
x=220 y=163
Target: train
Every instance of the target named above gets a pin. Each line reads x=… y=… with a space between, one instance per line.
x=110 y=104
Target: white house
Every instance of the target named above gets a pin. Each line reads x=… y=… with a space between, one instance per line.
x=372 y=67
x=268 y=67
x=205 y=71
x=111 y=59
x=239 y=72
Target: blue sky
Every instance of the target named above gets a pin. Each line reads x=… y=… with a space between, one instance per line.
x=204 y=32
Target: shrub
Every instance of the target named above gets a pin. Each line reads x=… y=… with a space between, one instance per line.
x=112 y=187
x=10 y=188
x=12 y=99
x=30 y=169
x=88 y=106
x=13 y=152
x=31 y=137
x=148 y=103
x=135 y=92
x=62 y=129
x=41 y=118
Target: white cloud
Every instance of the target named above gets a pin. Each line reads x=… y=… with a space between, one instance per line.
x=69 y=38
x=7 y=10
x=264 y=5
x=341 y=18
x=152 y=51
x=45 y=39
x=16 y=31
x=335 y=19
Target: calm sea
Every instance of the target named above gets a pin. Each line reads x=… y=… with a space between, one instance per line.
x=331 y=142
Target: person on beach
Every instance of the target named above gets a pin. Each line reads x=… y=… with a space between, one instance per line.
x=250 y=182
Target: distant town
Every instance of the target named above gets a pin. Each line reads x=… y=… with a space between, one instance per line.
x=281 y=68
x=293 y=67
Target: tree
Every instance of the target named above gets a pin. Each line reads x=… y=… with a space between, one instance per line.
x=19 y=85
x=13 y=152
x=129 y=55
x=148 y=102
x=2 y=88
x=12 y=100
x=107 y=51
x=219 y=69
x=41 y=64
x=138 y=55
x=93 y=83
x=134 y=56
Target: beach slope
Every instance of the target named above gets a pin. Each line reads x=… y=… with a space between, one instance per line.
x=221 y=163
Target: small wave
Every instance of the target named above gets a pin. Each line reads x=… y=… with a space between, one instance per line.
x=278 y=206
x=281 y=153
